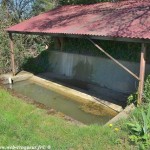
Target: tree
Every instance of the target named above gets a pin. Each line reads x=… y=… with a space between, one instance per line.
x=42 y=6
x=17 y=9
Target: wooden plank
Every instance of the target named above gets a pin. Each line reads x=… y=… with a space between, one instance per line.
x=62 y=43
x=57 y=43
x=142 y=73
x=12 y=54
x=116 y=61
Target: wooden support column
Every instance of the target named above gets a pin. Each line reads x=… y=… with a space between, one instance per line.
x=142 y=73
x=59 y=43
x=61 y=39
x=12 y=54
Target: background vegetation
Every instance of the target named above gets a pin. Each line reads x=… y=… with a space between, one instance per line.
x=119 y=50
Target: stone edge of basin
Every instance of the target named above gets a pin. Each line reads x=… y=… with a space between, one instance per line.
x=122 y=115
x=74 y=94
x=23 y=75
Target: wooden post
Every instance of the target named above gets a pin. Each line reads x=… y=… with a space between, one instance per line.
x=142 y=73
x=12 y=54
x=57 y=43
x=61 y=39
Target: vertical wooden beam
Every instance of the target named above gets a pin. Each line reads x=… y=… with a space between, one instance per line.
x=61 y=39
x=12 y=54
x=142 y=73
x=57 y=43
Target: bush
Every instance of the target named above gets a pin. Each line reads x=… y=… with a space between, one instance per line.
x=139 y=123
x=146 y=95
x=119 y=50
x=132 y=98
x=37 y=65
x=139 y=127
x=147 y=90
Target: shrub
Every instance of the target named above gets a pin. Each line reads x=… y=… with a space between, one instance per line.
x=132 y=98
x=147 y=90
x=146 y=94
x=139 y=127
x=38 y=64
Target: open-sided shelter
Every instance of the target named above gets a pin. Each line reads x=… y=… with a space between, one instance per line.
x=119 y=21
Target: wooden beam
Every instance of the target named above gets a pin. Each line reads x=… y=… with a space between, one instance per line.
x=142 y=73
x=61 y=39
x=12 y=54
x=57 y=43
x=116 y=61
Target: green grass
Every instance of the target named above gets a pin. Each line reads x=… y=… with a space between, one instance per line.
x=22 y=123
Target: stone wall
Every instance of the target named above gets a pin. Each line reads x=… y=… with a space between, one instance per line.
x=101 y=71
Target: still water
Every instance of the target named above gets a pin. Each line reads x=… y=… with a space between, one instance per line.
x=58 y=102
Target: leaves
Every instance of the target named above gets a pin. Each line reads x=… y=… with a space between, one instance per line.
x=147 y=90
x=26 y=46
x=139 y=128
x=145 y=121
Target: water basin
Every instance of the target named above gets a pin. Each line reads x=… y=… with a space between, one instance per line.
x=59 y=102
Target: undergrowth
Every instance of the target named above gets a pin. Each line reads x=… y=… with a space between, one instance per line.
x=139 y=122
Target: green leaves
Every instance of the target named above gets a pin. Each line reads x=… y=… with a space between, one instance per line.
x=145 y=123
x=40 y=6
x=139 y=128
x=132 y=98
x=147 y=90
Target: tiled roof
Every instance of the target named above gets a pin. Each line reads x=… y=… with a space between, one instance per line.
x=125 y=19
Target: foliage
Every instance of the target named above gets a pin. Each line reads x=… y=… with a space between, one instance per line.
x=146 y=95
x=119 y=50
x=139 y=123
x=4 y=43
x=42 y=6
x=18 y=10
x=132 y=98
x=25 y=46
x=37 y=65
x=147 y=90
x=139 y=127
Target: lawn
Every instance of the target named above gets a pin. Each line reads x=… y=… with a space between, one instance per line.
x=23 y=124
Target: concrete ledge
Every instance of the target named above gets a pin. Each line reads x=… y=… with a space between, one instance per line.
x=76 y=95
x=23 y=75
x=122 y=115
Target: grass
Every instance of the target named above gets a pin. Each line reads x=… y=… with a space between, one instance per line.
x=23 y=124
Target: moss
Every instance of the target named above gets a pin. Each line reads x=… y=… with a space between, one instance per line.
x=96 y=109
